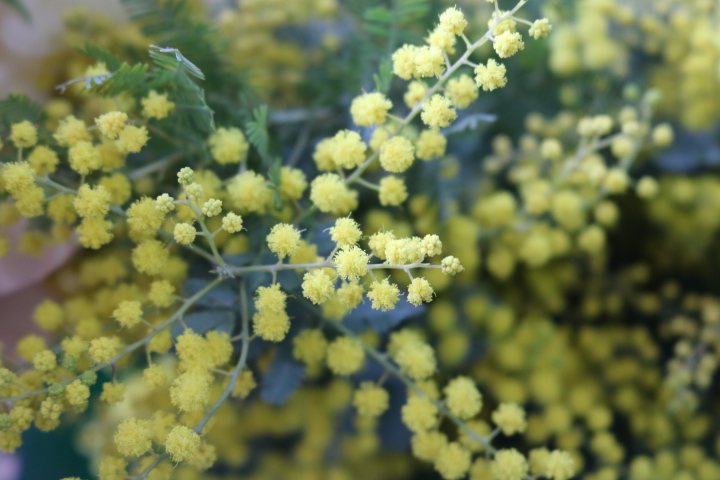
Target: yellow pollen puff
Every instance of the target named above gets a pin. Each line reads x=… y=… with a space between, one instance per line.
x=45 y=361
x=438 y=112
x=212 y=207
x=508 y=44
x=317 y=286
x=350 y=294
x=150 y=257
x=156 y=105
x=416 y=359
x=429 y=62
x=102 y=349
x=18 y=177
x=451 y=266
x=351 y=263
x=647 y=188
x=323 y=154
x=113 y=392
x=154 y=376
x=490 y=76
x=249 y=192
x=292 y=183
x=77 y=393
x=420 y=291
x=283 y=240
x=43 y=160
x=392 y=191
x=228 y=145
x=95 y=232
x=453 y=21
x=182 y=443
x=592 y=239
x=190 y=392
x=404 y=61
x=427 y=445
x=244 y=385
x=616 y=181
x=132 y=438
x=462 y=91
x=510 y=418
x=371 y=400
x=384 y=295
x=131 y=139
x=453 y=461
x=165 y=203
x=509 y=464
x=84 y=157
x=415 y=93
x=370 y=109
x=71 y=131
x=431 y=245
x=92 y=202
x=232 y=223
x=540 y=28
x=419 y=414
x=442 y=39
x=346 y=232
x=310 y=346
x=345 y=356
x=330 y=195
x=184 y=233
x=662 y=135
x=23 y=134
x=397 y=154
x=463 y=398
x=559 y=465
x=48 y=315
x=347 y=149
x=128 y=313
x=111 y=123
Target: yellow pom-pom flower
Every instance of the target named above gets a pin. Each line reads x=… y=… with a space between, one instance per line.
x=345 y=356
x=184 y=233
x=317 y=286
x=370 y=109
x=156 y=105
x=232 y=223
x=346 y=232
x=283 y=240
x=490 y=76
x=351 y=263
x=509 y=464
x=463 y=398
x=228 y=145
x=510 y=418
x=508 y=44
x=453 y=461
x=438 y=112
x=397 y=154
x=419 y=413
x=128 y=313
x=392 y=191
x=92 y=202
x=132 y=438
x=181 y=443
x=330 y=195
x=23 y=134
x=419 y=291
x=371 y=400
x=111 y=123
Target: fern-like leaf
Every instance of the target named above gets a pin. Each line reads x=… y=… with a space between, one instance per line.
x=257 y=132
x=17 y=108
x=98 y=54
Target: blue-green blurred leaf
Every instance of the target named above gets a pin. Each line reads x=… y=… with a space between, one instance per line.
x=206 y=320
x=284 y=376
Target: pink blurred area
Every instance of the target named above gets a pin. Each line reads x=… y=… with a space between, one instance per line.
x=21 y=284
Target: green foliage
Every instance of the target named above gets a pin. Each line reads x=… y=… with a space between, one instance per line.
x=257 y=132
x=111 y=61
x=20 y=107
x=275 y=175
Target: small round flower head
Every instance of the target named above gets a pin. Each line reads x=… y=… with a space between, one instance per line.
x=551 y=149
x=195 y=191
x=429 y=62
x=283 y=240
x=317 y=286
x=132 y=438
x=165 y=203
x=113 y=393
x=419 y=413
x=212 y=207
x=351 y=263
x=419 y=291
x=346 y=232
x=647 y=188
x=510 y=418
x=190 y=392
x=370 y=109
x=415 y=92
x=371 y=400
x=384 y=295
x=131 y=139
x=184 y=233
x=244 y=385
x=128 y=313
x=292 y=183
x=330 y=195
x=310 y=346
x=509 y=464
x=347 y=149
x=438 y=112
x=540 y=28
x=150 y=257
x=490 y=76
x=453 y=461
x=427 y=444
x=416 y=359
x=154 y=376
x=23 y=134
x=43 y=159
x=323 y=155
x=451 y=266
x=345 y=356
x=111 y=123
x=397 y=154
x=463 y=398
x=84 y=157
x=94 y=232
x=18 y=177
x=622 y=146
x=462 y=91
x=453 y=21
x=392 y=192
x=592 y=239
x=662 y=135
x=508 y=44
x=92 y=202
x=103 y=349
x=44 y=361
x=404 y=61
x=431 y=245
x=616 y=181
x=228 y=145
x=270 y=299
x=232 y=223
x=71 y=131
x=350 y=294
x=186 y=176
x=156 y=105
x=182 y=443
x=559 y=465
x=442 y=39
